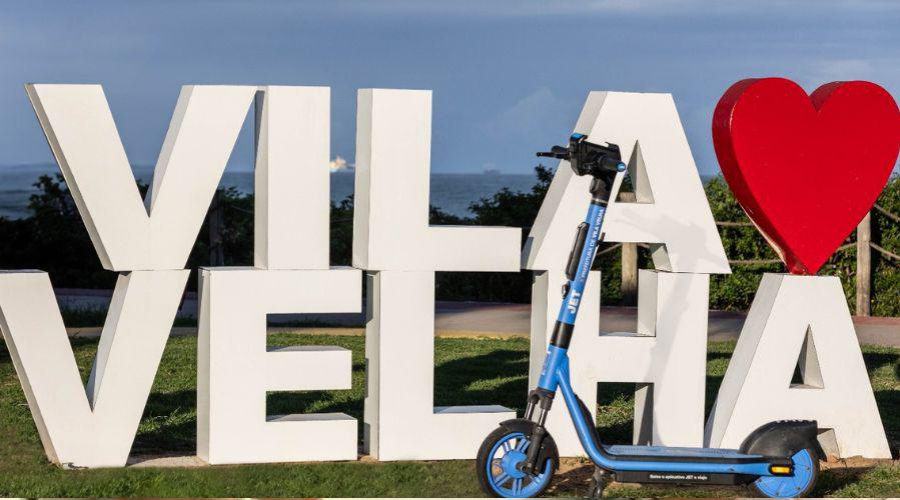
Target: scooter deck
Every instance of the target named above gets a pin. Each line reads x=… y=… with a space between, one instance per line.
x=630 y=453
x=673 y=455
x=678 y=454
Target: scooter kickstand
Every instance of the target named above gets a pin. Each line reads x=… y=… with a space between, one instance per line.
x=598 y=482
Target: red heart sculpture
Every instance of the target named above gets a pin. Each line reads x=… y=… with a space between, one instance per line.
x=806 y=169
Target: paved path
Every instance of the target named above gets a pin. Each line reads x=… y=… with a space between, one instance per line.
x=723 y=325
x=473 y=318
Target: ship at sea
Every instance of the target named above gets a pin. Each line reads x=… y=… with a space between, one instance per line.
x=490 y=169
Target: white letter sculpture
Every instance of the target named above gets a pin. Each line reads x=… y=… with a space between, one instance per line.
x=292 y=202
x=97 y=429
x=292 y=275
x=801 y=318
x=81 y=132
x=392 y=238
x=235 y=368
x=666 y=357
x=150 y=249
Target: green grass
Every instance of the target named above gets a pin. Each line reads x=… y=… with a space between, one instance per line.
x=467 y=371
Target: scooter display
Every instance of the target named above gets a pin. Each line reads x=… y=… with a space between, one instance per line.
x=518 y=459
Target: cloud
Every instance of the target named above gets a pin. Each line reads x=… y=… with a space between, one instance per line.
x=534 y=122
x=509 y=76
x=338 y=164
x=532 y=8
x=833 y=70
x=529 y=115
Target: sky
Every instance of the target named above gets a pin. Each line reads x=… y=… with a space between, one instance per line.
x=509 y=77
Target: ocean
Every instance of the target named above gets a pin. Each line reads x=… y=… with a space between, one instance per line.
x=453 y=193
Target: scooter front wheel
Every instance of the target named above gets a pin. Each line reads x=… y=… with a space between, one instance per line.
x=498 y=465
x=806 y=470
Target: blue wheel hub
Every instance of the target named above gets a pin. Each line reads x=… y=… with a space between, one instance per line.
x=506 y=478
x=510 y=464
x=789 y=486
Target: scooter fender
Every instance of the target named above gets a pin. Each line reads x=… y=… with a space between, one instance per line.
x=783 y=438
x=525 y=426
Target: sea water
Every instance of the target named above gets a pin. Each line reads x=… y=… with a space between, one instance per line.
x=452 y=193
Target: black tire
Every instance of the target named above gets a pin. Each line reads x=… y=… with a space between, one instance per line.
x=813 y=477
x=484 y=455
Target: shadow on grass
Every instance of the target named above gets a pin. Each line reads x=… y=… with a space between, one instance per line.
x=876 y=360
x=169 y=424
x=888 y=402
x=573 y=482
x=498 y=376
x=467 y=372
x=285 y=403
x=832 y=480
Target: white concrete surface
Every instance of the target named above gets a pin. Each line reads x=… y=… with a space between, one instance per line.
x=292 y=203
x=801 y=319
x=91 y=427
x=671 y=213
x=402 y=422
x=665 y=355
x=83 y=137
x=390 y=214
x=235 y=368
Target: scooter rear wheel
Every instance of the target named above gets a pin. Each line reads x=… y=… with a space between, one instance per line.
x=497 y=466
x=806 y=470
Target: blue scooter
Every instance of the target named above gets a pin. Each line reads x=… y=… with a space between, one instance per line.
x=779 y=459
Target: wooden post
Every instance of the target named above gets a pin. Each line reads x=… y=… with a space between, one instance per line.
x=216 y=222
x=864 y=266
x=629 y=264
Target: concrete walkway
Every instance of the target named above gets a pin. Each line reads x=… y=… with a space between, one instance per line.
x=496 y=319
x=723 y=325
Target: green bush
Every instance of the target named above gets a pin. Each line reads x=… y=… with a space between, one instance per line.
x=53 y=238
x=886 y=272
x=736 y=291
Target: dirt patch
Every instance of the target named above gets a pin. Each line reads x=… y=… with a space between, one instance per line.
x=856 y=463
x=574 y=475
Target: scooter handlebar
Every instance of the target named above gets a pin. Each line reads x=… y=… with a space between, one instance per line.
x=559 y=152
x=588 y=158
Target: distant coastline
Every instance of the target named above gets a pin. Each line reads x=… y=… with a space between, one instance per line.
x=452 y=192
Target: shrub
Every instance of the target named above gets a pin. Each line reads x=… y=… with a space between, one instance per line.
x=53 y=238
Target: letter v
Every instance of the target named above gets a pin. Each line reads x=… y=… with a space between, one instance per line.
x=79 y=127
x=97 y=430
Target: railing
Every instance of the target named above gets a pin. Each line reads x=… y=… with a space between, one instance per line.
x=863 y=244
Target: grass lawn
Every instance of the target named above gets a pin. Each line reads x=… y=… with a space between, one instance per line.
x=468 y=371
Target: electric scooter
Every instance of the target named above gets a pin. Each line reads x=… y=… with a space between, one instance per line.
x=779 y=459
